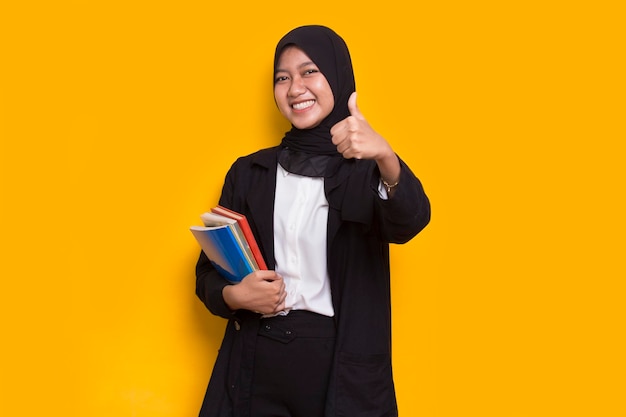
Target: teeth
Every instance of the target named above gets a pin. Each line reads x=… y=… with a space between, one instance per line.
x=303 y=105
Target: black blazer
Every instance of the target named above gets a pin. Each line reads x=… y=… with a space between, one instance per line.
x=360 y=227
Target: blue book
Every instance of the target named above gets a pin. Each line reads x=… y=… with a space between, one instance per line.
x=224 y=249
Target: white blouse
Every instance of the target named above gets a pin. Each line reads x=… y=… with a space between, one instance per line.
x=300 y=223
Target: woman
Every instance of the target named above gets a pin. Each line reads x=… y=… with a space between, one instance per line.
x=311 y=337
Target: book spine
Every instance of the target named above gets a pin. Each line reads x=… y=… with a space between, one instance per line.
x=247 y=231
x=243 y=244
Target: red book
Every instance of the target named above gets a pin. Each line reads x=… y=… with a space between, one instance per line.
x=245 y=227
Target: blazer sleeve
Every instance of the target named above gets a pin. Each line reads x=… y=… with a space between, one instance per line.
x=406 y=213
x=209 y=283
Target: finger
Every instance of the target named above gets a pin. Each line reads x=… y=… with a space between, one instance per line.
x=337 y=128
x=354 y=108
x=269 y=275
x=339 y=137
x=280 y=306
x=343 y=147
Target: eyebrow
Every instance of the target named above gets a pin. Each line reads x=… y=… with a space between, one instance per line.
x=304 y=64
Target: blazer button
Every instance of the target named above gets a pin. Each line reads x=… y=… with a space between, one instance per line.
x=237 y=326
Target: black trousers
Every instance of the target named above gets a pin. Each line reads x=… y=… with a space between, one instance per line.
x=293 y=359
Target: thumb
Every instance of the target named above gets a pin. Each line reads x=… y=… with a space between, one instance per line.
x=354 y=109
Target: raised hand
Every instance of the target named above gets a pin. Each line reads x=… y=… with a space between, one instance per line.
x=355 y=138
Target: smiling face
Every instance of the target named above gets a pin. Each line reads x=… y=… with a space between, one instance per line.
x=302 y=93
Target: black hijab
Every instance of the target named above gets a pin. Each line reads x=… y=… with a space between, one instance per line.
x=311 y=151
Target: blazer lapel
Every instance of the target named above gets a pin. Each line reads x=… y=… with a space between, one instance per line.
x=260 y=200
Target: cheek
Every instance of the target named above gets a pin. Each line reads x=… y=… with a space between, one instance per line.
x=329 y=103
x=276 y=96
x=279 y=99
x=326 y=93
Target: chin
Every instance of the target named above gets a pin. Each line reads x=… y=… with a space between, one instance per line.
x=305 y=125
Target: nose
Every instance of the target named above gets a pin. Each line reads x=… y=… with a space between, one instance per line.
x=297 y=87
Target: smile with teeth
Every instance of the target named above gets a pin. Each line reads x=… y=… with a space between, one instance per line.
x=303 y=105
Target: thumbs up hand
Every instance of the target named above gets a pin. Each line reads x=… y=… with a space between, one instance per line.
x=355 y=138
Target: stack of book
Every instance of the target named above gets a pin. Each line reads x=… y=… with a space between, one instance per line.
x=228 y=242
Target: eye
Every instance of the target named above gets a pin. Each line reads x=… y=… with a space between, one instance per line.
x=280 y=78
x=311 y=71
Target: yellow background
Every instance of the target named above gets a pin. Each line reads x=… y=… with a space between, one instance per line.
x=119 y=120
